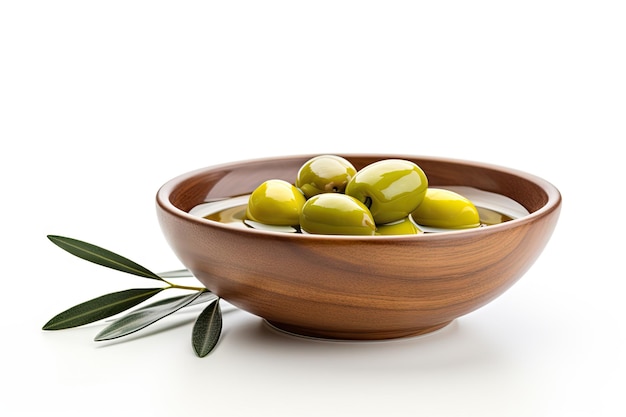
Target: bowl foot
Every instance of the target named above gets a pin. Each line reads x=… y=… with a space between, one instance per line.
x=353 y=336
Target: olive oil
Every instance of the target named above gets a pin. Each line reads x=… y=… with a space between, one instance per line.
x=236 y=214
x=492 y=209
x=490 y=217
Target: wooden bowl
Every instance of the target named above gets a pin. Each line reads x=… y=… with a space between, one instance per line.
x=356 y=287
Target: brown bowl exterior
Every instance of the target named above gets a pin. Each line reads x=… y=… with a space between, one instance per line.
x=355 y=287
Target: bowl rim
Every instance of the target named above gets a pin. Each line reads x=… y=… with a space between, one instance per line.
x=554 y=200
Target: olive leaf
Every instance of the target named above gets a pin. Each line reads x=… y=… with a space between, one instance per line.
x=101 y=256
x=145 y=316
x=207 y=329
x=100 y=308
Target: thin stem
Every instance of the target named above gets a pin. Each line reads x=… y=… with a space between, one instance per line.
x=186 y=287
x=180 y=273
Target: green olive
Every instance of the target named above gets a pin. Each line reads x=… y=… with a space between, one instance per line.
x=405 y=226
x=390 y=188
x=324 y=174
x=446 y=209
x=275 y=202
x=336 y=214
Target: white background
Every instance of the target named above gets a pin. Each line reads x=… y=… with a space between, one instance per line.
x=102 y=102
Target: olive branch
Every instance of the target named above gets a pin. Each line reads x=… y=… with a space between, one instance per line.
x=206 y=329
